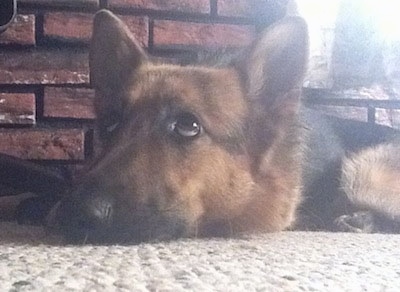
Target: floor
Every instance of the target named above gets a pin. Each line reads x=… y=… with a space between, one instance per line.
x=32 y=260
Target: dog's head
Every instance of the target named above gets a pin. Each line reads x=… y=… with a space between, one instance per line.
x=190 y=150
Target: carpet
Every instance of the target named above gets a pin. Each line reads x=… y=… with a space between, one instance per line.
x=31 y=260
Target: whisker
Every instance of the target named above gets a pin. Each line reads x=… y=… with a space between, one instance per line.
x=85 y=240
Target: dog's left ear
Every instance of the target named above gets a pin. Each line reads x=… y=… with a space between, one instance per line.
x=277 y=62
x=273 y=74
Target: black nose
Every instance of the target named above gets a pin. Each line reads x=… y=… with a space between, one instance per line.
x=86 y=219
x=99 y=211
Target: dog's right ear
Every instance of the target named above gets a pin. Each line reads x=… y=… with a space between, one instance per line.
x=114 y=57
x=114 y=53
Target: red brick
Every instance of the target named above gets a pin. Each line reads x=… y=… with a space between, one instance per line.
x=375 y=92
x=388 y=117
x=169 y=33
x=198 y=6
x=17 y=108
x=344 y=112
x=44 y=67
x=43 y=144
x=139 y=26
x=68 y=25
x=77 y=103
x=255 y=8
x=78 y=26
x=243 y=8
x=21 y=31
x=62 y=3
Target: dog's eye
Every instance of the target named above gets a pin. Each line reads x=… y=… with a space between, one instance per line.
x=186 y=126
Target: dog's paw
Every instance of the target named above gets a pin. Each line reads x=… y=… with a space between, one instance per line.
x=359 y=222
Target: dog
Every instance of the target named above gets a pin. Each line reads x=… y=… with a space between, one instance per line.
x=221 y=150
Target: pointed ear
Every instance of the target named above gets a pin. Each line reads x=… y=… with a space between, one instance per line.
x=273 y=73
x=114 y=57
x=277 y=61
x=114 y=53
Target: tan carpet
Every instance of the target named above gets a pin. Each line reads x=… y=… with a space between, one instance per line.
x=30 y=260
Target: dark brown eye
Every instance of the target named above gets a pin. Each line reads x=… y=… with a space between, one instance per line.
x=186 y=126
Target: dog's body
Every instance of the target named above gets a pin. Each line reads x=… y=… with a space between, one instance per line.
x=350 y=176
x=205 y=151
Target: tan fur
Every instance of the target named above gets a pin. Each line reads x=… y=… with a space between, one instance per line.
x=242 y=171
x=241 y=174
x=213 y=186
x=370 y=179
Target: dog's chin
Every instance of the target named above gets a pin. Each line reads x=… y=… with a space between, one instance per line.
x=120 y=235
x=133 y=231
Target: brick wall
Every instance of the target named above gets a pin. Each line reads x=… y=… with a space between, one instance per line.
x=355 y=57
x=46 y=112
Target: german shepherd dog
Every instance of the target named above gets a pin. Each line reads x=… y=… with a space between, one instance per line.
x=222 y=150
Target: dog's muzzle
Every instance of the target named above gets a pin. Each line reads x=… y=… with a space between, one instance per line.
x=82 y=221
x=99 y=220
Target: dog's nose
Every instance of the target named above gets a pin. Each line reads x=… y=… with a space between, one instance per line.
x=80 y=219
x=99 y=211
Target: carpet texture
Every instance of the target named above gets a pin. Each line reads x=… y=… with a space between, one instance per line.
x=31 y=260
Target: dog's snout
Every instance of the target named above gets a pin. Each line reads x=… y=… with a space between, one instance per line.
x=99 y=210
x=80 y=219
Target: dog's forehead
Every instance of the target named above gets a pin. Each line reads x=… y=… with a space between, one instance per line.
x=217 y=95
x=185 y=82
